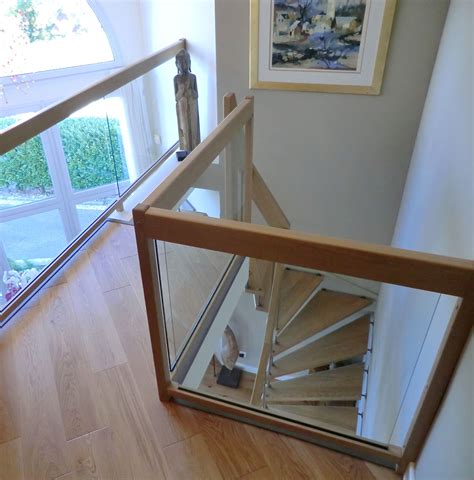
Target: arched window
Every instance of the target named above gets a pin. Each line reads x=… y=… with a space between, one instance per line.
x=54 y=185
x=50 y=35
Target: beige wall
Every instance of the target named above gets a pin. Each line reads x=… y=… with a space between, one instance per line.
x=337 y=163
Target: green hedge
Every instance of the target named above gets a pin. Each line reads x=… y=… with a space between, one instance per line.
x=88 y=147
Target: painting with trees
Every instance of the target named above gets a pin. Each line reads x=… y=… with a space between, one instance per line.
x=318 y=34
x=333 y=46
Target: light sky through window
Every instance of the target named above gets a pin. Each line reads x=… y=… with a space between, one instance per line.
x=42 y=35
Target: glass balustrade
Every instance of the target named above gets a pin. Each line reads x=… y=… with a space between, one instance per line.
x=56 y=184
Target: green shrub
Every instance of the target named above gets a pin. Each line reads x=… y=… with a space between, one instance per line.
x=90 y=151
x=25 y=166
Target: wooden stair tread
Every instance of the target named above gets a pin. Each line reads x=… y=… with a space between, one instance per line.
x=296 y=288
x=260 y=282
x=342 y=417
x=347 y=342
x=322 y=311
x=343 y=383
x=259 y=270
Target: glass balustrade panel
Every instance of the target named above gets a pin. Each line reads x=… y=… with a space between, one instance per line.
x=340 y=353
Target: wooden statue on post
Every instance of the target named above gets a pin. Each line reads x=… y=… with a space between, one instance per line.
x=187 y=111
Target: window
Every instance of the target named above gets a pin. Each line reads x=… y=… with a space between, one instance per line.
x=45 y=35
x=54 y=185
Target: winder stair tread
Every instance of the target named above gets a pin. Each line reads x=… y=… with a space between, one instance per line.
x=343 y=417
x=339 y=384
x=260 y=282
x=295 y=289
x=324 y=310
x=347 y=342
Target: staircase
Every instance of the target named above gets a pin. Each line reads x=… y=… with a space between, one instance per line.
x=315 y=354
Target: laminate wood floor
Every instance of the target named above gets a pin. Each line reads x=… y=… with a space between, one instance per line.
x=78 y=398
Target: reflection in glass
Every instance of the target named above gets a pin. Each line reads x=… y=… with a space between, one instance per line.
x=27 y=245
x=24 y=173
x=345 y=354
x=90 y=210
x=189 y=277
x=92 y=143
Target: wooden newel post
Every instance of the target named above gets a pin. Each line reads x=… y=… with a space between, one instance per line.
x=187 y=109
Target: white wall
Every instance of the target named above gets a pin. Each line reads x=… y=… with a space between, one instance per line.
x=448 y=452
x=248 y=325
x=164 y=22
x=337 y=163
x=437 y=216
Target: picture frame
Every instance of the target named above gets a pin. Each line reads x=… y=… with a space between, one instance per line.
x=331 y=46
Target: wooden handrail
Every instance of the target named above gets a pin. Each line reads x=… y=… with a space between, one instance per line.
x=364 y=260
x=175 y=186
x=22 y=131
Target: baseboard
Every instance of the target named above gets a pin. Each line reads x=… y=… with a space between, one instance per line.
x=410 y=472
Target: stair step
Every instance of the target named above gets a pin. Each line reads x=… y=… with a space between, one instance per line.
x=259 y=272
x=347 y=342
x=260 y=282
x=296 y=288
x=322 y=311
x=343 y=383
x=344 y=418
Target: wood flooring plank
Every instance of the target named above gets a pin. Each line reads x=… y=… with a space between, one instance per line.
x=170 y=423
x=324 y=463
x=105 y=258
x=72 y=374
x=104 y=349
x=282 y=458
x=191 y=459
x=83 y=459
x=9 y=414
x=123 y=240
x=96 y=457
x=68 y=476
x=131 y=267
x=233 y=449
x=135 y=438
x=43 y=440
x=139 y=427
x=11 y=461
x=261 y=474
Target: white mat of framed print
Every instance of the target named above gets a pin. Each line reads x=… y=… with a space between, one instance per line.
x=335 y=46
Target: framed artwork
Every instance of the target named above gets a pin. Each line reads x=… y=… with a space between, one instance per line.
x=335 y=46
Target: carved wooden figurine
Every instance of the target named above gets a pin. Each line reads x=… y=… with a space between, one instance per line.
x=186 y=94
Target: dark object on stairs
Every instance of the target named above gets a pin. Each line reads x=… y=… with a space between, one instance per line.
x=229 y=378
x=181 y=155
